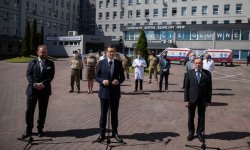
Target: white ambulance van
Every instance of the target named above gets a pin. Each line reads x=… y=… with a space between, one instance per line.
x=221 y=56
x=177 y=54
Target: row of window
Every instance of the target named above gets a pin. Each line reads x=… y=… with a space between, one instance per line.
x=130 y=2
x=184 y=12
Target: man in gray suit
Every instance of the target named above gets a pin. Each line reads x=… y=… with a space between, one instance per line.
x=189 y=65
x=198 y=92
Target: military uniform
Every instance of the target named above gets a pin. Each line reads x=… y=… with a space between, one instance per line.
x=126 y=62
x=153 y=62
x=91 y=63
x=76 y=65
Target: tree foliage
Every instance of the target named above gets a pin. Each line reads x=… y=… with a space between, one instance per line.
x=142 y=45
x=26 y=50
x=41 y=37
x=34 y=40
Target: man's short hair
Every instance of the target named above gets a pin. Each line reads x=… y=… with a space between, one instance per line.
x=42 y=46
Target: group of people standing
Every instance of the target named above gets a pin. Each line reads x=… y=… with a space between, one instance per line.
x=109 y=73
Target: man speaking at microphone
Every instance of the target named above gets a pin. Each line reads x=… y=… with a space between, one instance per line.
x=110 y=75
x=40 y=73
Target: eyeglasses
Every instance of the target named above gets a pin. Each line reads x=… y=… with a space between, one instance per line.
x=111 y=51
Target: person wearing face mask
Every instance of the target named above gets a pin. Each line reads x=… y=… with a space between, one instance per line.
x=189 y=65
x=139 y=63
x=76 y=65
x=208 y=64
x=165 y=65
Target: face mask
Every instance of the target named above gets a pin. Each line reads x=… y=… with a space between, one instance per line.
x=75 y=55
x=192 y=58
x=164 y=56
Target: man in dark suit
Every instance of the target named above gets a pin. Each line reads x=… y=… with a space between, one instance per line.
x=110 y=75
x=198 y=92
x=40 y=73
x=165 y=65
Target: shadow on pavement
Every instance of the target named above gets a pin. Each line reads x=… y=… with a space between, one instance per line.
x=180 y=91
x=78 y=133
x=218 y=104
x=223 y=89
x=223 y=94
x=230 y=135
x=151 y=137
x=134 y=93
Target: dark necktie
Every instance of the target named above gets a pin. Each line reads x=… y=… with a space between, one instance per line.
x=198 y=75
x=41 y=65
x=110 y=68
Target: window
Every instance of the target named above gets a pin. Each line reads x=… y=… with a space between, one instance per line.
x=156 y=1
x=115 y=3
x=164 y=12
x=194 y=10
x=107 y=15
x=6 y=2
x=203 y=22
x=62 y=15
x=100 y=4
x=121 y=26
x=27 y=5
x=237 y=21
x=121 y=14
x=62 y=3
x=184 y=0
x=155 y=23
x=146 y=1
x=226 y=21
x=115 y=15
x=204 y=10
x=68 y=5
x=129 y=14
x=138 y=13
x=122 y=2
x=183 y=22
x=42 y=9
x=174 y=11
x=114 y=27
x=146 y=12
x=215 y=21
x=164 y=23
x=100 y=27
x=100 y=16
x=138 y=2
x=238 y=8
x=226 y=9
x=215 y=9
x=193 y=22
x=106 y=27
x=137 y=24
x=183 y=11
x=107 y=3
x=174 y=1
x=155 y=12
x=130 y=2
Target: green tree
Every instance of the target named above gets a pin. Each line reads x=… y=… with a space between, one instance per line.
x=26 y=50
x=142 y=45
x=38 y=35
x=41 y=37
x=33 y=37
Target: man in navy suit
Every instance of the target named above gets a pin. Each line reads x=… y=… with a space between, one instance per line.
x=198 y=92
x=40 y=73
x=110 y=75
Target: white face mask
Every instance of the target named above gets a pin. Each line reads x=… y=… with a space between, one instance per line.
x=75 y=55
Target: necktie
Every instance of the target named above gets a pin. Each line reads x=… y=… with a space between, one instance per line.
x=41 y=65
x=110 y=68
x=198 y=76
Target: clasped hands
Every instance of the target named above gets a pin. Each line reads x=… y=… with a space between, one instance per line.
x=39 y=86
x=114 y=82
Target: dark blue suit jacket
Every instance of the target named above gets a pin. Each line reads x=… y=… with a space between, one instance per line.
x=102 y=73
x=194 y=91
x=34 y=75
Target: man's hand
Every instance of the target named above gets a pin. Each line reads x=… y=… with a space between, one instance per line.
x=115 y=82
x=164 y=70
x=39 y=86
x=187 y=104
x=105 y=82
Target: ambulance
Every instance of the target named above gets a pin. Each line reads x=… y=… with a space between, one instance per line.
x=177 y=54
x=221 y=56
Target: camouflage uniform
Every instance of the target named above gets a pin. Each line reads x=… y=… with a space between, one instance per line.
x=126 y=62
x=153 y=62
x=76 y=65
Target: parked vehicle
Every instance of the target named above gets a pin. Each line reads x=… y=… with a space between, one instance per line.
x=222 y=56
x=177 y=54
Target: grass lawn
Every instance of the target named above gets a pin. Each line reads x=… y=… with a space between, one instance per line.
x=25 y=59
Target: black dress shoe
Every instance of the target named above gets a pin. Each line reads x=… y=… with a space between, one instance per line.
x=190 y=137
x=25 y=135
x=116 y=136
x=201 y=138
x=40 y=132
x=70 y=91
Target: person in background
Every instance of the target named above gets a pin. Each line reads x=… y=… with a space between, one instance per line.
x=153 y=62
x=91 y=64
x=126 y=63
x=139 y=64
x=76 y=65
x=81 y=57
x=40 y=73
x=198 y=92
x=189 y=65
x=208 y=64
x=103 y=56
x=165 y=65
x=248 y=59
